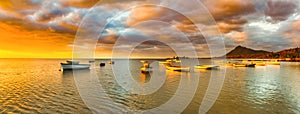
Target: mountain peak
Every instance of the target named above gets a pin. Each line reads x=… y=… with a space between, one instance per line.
x=239 y=46
x=241 y=51
x=244 y=52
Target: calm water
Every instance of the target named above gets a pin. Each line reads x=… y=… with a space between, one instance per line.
x=37 y=86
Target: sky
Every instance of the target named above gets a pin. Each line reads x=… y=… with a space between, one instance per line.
x=145 y=28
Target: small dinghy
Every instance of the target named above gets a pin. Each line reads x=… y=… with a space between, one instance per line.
x=102 y=64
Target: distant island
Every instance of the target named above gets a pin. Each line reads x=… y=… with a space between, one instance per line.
x=244 y=52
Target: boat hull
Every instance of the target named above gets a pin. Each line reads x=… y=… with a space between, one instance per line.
x=146 y=70
x=244 y=65
x=182 y=69
x=250 y=65
x=260 y=64
x=207 y=67
x=237 y=65
x=273 y=63
x=75 y=67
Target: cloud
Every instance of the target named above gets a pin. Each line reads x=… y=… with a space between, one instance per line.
x=293 y=33
x=224 y=9
x=227 y=26
x=267 y=36
x=150 y=12
x=79 y=3
x=280 y=10
x=50 y=11
x=239 y=37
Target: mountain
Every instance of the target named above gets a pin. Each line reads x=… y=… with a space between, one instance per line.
x=288 y=54
x=243 y=52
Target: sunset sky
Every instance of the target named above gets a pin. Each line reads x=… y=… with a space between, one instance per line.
x=47 y=28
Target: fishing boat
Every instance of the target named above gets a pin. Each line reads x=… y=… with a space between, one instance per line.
x=250 y=65
x=244 y=65
x=239 y=65
x=175 y=60
x=74 y=65
x=177 y=68
x=146 y=67
x=260 y=64
x=208 y=67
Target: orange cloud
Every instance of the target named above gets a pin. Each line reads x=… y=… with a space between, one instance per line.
x=227 y=26
x=79 y=3
x=294 y=33
x=223 y=9
x=239 y=37
x=147 y=12
x=150 y=12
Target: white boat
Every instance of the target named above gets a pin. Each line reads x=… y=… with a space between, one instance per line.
x=146 y=67
x=208 y=67
x=74 y=65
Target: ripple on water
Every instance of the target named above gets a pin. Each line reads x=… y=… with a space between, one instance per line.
x=36 y=86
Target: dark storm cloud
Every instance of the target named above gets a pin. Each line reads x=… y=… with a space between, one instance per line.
x=281 y=10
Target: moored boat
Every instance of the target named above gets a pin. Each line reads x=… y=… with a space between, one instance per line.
x=239 y=65
x=244 y=65
x=260 y=64
x=208 y=67
x=74 y=65
x=177 y=68
x=146 y=67
x=250 y=65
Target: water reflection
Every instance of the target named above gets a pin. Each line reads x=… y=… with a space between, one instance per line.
x=68 y=73
x=36 y=86
x=263 y=89
x=145 y=77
